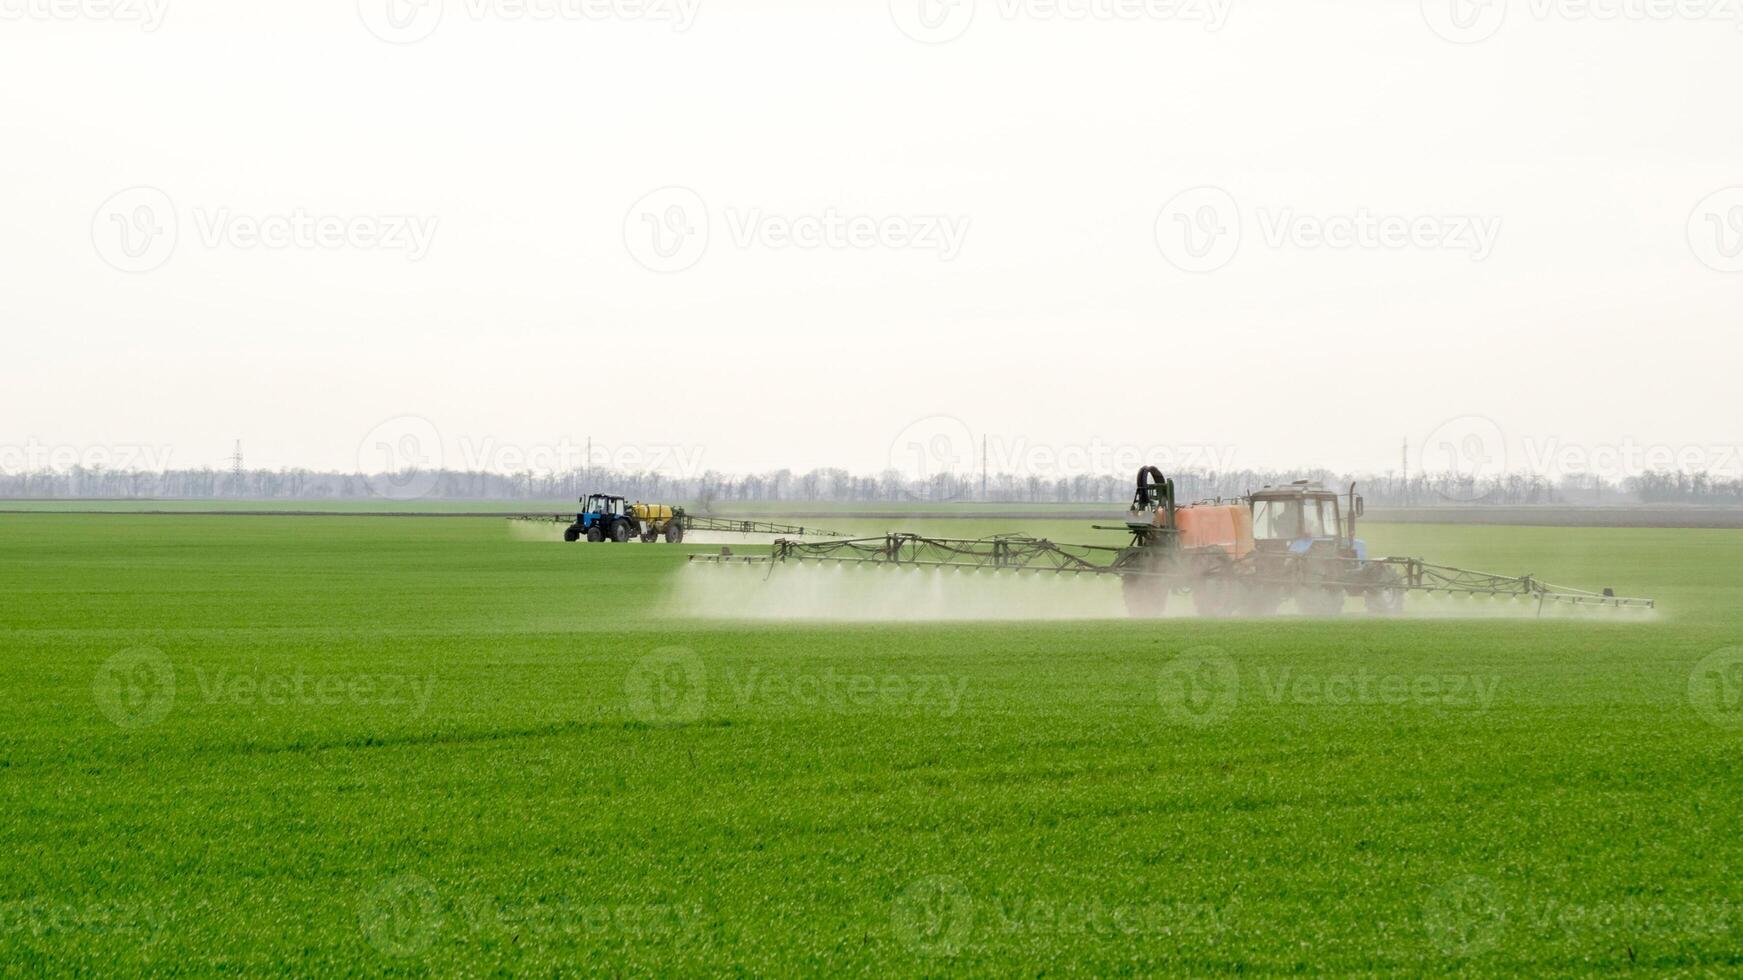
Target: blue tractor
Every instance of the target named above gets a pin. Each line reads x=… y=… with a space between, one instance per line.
x=1305 y=547
x=604 y=517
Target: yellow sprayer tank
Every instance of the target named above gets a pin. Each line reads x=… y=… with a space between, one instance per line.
x=651 y=513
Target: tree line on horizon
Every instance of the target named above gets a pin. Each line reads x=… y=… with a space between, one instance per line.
x=839 y=485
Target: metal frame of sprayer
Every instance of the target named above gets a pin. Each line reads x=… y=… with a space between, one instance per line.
x=1318 y=564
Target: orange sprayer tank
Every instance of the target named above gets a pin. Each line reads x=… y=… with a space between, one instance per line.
x=1225 y=526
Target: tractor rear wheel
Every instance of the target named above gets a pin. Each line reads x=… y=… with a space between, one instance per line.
x=1260 y=599
x=620 y=532
x=595 y=535
x=1216 y=595
x=1146 y=595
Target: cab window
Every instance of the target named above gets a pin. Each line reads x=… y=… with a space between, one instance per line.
x=1322 y=519
x=1273 y=519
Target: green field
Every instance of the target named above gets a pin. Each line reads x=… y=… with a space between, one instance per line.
x=417 y=746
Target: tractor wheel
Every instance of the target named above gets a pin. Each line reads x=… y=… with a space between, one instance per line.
x=572 y=533
x=595 y=535
x=1146 y=595
x=620 y=532
x=1385 y=597
x=1320 y=600
x=1261 y=600
x=1216 y=595
x=674 y=533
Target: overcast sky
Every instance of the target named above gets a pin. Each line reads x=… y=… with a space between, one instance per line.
x=746 y=235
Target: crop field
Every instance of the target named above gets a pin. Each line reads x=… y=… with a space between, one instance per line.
x=447 y=746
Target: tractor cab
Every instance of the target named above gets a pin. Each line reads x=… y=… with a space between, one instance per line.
x=600 y=505
x=1306 y=518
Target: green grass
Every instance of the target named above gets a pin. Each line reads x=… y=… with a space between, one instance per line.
x=434 y=747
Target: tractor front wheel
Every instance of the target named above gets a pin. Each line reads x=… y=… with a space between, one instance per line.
x=572 y=533
x=1146 y=595
x=1385 y=597
x=1216 y=595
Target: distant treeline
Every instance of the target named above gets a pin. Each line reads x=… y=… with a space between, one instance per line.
x=1386 y=490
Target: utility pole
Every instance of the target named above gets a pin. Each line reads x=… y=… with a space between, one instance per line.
x=236 y=484
x=983 y=469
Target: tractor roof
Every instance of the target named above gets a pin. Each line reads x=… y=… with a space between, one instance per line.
x=1300 y=488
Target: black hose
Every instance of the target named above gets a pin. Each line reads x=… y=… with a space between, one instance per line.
x=1150 y=488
